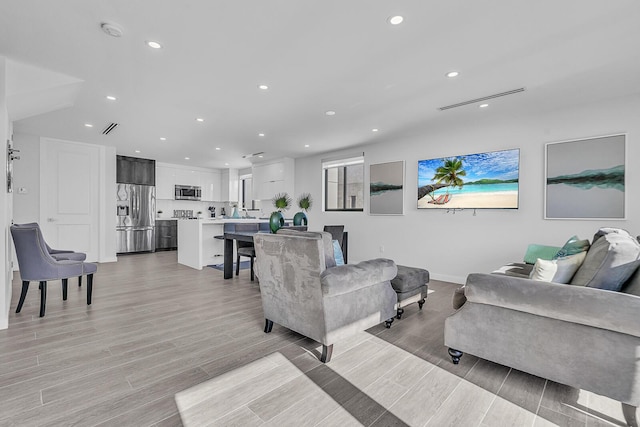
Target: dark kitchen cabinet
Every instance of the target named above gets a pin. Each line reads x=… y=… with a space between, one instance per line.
x=133 y=170
x=166 y=234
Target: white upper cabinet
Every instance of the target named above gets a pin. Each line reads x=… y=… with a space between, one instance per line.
x=211 y=184
x=165 y=182
x=229 y=187
x=188 y=177
x=272 y=178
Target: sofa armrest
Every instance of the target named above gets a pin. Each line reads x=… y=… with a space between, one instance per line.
x=350 y=277
x=577 y=304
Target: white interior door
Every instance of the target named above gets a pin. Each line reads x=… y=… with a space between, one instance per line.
x=69 y=196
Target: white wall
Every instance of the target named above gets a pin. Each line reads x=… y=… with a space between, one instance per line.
x=5 y=204
x=451 y=246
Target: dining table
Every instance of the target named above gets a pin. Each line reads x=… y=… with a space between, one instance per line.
x=230 y=235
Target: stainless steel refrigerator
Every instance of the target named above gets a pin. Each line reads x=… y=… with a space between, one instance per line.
x=136 y=206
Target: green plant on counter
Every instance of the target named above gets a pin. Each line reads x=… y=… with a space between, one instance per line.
x=305 y=201
x=281 y=201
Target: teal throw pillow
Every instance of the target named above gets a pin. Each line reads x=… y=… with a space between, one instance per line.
x=337 y=253
x=540 y=251
x=573 y=246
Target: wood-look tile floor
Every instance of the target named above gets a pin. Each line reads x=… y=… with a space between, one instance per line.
x=166 y=345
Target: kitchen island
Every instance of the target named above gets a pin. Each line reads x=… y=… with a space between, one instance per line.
x=197 y=245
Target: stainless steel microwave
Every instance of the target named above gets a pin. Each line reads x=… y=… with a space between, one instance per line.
x=187 y=192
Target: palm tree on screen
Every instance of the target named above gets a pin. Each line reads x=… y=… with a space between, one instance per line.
x=449 y=173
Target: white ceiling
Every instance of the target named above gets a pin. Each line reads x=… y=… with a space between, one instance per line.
x=315 y=56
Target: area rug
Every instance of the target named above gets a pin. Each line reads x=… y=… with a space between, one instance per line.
x=244 y=265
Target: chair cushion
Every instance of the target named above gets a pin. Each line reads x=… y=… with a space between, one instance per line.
x=337 y=253
x=612 y=259
x=74 y=256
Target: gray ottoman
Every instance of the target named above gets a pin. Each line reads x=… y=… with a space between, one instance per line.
x=411 y=286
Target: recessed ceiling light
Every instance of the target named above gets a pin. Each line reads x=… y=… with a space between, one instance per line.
x=186 y=158
x=137 y=151
x=162 y=138
x=483 y=105
x=306 y=145
x=199 y=119
x=263 y=87
x=111 y=98
x=89 y=125
x=218 y=148
x=374 y=130
x=153 y=44
x=226 y=164
x=330 y=113
x=395 y=20
x=453 y=74
x=261 y=156
x=261 y=134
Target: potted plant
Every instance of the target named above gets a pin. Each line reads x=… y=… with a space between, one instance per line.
x=282 y=202
x=199 y=214
x=304 y=202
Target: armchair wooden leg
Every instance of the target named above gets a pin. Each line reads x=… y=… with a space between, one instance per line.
x=89 y=288
x=388 y=322
x=399 y=313
x=43 y=297
x=65 y=282
x=79 y=281
x=629 y=413
x=23 y=294
x=238 y=265
x=268 y=325
x=421 y=303
x=327 y=350
x=455 y=355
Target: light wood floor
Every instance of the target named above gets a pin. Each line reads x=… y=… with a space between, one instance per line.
x=166 y=345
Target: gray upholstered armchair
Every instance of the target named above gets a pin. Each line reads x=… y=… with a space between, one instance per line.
x=304 y=291
x=36 y=264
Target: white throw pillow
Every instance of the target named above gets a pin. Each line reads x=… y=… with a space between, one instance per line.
x=559 y=270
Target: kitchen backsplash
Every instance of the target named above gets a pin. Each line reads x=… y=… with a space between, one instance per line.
x=168 y=206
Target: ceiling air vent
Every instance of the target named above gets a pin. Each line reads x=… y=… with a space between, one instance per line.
x=248 y=156
x=485 y=98
x=109 y=128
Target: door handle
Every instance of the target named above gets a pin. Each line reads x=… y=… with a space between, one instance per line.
x=51 y=219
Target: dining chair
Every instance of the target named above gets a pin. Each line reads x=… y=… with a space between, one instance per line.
x=245 y=249
x=37 y=264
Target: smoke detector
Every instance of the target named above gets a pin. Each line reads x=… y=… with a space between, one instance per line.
x=112 y=30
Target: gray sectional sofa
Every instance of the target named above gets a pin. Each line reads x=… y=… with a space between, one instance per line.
x=585 y=334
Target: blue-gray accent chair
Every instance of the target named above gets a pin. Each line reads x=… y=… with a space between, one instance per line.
x=59 y=254
x=37 y=264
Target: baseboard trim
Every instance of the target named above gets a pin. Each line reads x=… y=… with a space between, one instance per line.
x=461 y=280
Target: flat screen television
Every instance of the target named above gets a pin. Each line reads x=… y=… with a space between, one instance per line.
x=474 y=181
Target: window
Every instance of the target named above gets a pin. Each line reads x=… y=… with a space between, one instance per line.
x=344 y=184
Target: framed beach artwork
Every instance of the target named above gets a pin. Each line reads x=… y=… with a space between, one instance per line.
x=473 y=181
x=386 y=188
x=585 y=178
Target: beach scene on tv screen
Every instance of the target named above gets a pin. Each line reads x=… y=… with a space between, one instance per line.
x=473 y=181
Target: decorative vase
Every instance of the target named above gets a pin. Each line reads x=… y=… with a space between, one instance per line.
x=276 y=221
x=300 y=219
x=235 y=213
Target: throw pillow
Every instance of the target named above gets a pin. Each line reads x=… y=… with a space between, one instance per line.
x=559 y=270
x=573 y=246
x=337 y=253
x=611 y=260
x=539 y=251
